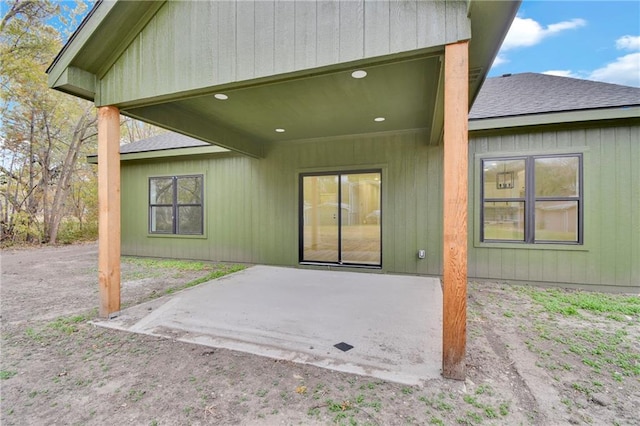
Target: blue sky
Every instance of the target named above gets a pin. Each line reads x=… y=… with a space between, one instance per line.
x=594 y=40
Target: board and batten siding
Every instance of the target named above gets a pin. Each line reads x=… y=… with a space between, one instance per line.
x=251 y=205
x=610 y=257
x=191 y=45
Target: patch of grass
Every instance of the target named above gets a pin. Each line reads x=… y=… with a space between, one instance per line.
x=503 y=409
x=67 y=325
x=472 y=401
x=568 y=302
x=407 y=390
x=181 y=265
x=33 y=334
x=7 y=374
x=221 y=272
x=136 y=395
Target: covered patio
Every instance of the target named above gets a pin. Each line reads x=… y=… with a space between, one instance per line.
x=392 y=322
x=267 y=79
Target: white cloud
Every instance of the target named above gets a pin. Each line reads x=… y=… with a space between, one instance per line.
x=499 y=60
x=624 y=70
x=628 y=43
x=525 y=32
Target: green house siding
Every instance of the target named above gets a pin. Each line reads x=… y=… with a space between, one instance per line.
x=188 y=46
x=610 y=255
x=251 y=205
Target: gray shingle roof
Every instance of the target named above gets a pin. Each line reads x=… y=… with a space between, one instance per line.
x=160 y=142
x=531 y=93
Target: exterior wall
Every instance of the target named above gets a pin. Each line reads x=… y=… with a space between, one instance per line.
x=610 y=256
x=252 y=205
x=190 y=45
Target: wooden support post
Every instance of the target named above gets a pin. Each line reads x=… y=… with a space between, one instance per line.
x=456 y=110
x=109 y=209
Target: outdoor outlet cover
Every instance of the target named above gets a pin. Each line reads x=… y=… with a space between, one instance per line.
x=421 y=254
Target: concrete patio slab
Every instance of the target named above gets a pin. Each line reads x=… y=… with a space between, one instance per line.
x=393 y=322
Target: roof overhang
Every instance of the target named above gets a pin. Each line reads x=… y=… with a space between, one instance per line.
x=553 y=118
x=173 y=153
x=405 y=87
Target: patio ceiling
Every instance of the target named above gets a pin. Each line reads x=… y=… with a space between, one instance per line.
x=334 y=103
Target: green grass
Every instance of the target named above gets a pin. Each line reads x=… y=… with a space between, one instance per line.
x=181 y=265
x=571 y=302
x=224 y=270
x=7 y=374
x=606 y=351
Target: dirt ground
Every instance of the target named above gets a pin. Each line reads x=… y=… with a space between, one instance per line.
x=533 y=358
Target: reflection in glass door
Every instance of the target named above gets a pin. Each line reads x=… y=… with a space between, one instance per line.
x=346 y=232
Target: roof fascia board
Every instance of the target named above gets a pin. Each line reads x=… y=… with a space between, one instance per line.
x=175 y=119
x=78 y=40
x=77 y=82
x=98 y=21
x=166 y=153
x=483 y=48
x=554 y=118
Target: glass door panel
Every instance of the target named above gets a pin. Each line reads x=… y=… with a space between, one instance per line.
x=360 y=210
x=320 y=219
x=340 y=219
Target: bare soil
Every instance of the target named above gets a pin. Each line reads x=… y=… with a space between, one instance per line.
x=526 y=363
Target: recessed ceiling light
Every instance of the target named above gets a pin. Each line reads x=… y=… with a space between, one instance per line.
x=359 y=74
x=379 y=119
x=279 y=130
x=221 y=96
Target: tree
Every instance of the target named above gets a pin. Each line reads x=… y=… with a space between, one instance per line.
x=43 y=133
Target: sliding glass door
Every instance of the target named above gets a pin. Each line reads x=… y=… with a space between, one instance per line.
x=340 y=218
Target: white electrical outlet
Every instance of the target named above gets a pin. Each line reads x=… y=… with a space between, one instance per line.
x=421 y=254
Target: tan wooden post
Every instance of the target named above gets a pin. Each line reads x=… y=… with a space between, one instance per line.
x=109 y=209
x=456 y=110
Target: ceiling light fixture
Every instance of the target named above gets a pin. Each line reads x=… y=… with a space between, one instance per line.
x=221 y=96
x=359 y=74
x=379 y=119
x=280 y=130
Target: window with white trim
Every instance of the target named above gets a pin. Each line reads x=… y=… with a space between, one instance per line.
x=532 y=199
x=175 y=205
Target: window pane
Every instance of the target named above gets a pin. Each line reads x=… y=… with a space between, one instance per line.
x=360 y=215
x=190 y=190
x=190 y=220
x=161 y=191
x=557 y=221
x=161 y=220
x=504 y=221
x=557 y=177
x=504 y=178
x=320 y=218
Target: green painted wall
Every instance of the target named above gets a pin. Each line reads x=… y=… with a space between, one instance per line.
x=252 y=205
x=610 y=256
x=191 y=45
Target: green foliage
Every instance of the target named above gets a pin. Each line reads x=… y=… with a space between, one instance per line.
x=72 y=232
x=45 y=133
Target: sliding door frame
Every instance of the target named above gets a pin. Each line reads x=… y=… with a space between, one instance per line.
x=338 y=173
